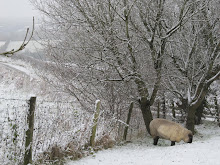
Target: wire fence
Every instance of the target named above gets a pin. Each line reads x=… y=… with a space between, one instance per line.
x=58 y=123
x=55 y=123
x=12 y=130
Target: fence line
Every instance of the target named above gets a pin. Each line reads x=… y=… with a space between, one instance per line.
x=12 y=126
x=55 y=123
x=13 y=99
x=45 y=101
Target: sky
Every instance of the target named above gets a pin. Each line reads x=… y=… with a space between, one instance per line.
x=17 y=9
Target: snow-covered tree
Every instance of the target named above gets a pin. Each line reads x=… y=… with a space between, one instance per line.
x=109 y=46
x=195 y=55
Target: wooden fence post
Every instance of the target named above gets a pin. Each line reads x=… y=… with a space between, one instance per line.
x=29 y=132
x=95 y=120
x=128 y=120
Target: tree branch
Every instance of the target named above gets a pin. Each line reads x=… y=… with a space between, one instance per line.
x=23 y=45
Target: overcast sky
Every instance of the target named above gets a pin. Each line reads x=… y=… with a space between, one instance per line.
x=16 y=9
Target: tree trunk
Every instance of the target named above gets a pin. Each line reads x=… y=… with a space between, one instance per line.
x=164 y=107
x=190 y=121
x=199 y=113
x=217 y=110
x=158 y=109
x=128 y=120
x=95 y=121
x=173 y=110
x=146 y=113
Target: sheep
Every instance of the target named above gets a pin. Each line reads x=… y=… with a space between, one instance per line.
x=165 y=129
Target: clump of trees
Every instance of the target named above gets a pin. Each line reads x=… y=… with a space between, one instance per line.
x=127 y=50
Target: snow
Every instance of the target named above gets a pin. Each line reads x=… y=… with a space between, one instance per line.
x=97 y=102
x=17 y=81
x=2 y=43
x=21 y=68
x=203 y=151
x=57 y=120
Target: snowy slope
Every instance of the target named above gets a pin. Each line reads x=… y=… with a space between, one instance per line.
x=55 y=122
x=205 y=150
x=18 y=79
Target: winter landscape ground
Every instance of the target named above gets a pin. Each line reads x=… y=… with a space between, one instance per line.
x=141 y=59
x=204 y=150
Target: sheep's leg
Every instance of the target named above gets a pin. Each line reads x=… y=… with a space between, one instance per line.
x=156 y=140
x=172 y=143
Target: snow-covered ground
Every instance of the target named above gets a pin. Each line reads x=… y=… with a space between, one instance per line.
x=205 y=150
x=19 y=80
x=53 y=113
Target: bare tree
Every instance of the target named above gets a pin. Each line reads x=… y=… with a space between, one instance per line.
x=116 y=44
x=195 y=55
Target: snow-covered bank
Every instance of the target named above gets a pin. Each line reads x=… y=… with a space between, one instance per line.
x=205 y=150
x=19 y=79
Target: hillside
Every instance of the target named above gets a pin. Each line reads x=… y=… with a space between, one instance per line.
x=18 y=79
x=54 y=114
x=15 y=29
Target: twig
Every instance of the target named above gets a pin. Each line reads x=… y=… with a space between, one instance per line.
x=23 y=45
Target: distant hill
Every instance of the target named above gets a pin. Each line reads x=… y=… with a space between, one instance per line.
x=14 y=29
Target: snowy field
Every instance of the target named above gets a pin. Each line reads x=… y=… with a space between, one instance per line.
x=205 y=150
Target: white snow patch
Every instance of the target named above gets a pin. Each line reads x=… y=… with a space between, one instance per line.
x=21 y=68
x=2 y=43
x=97 y=102
x=203 y=151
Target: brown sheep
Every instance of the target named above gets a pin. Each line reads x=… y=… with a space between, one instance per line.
x=165 y=129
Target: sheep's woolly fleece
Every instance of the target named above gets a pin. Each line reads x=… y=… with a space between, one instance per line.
x=169 y=130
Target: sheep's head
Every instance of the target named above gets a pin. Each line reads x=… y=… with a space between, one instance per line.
x=188 y=136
